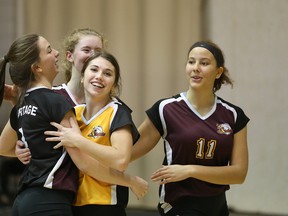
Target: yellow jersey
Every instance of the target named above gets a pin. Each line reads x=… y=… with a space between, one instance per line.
x=99 y=129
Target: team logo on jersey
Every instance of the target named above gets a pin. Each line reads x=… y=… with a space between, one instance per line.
x=224 y=129
x=96 y=132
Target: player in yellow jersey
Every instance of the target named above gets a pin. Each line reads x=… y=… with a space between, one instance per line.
x=106 y=133
x=77 y=47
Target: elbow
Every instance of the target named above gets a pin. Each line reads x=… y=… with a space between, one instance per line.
x=240 y=179
x=121 y=164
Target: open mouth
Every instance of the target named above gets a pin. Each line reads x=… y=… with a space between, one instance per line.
x=97 y=84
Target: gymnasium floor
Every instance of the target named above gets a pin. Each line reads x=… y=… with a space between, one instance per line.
x=5 y=211
x=135 y=212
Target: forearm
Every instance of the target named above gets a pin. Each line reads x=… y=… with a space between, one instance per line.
x=218 y=175
x=95 y=169
x=141 y=148
x=8 y=141
x=8 y=153
x=115 y=154
x=109 y=156
x=148 y=139
x=109 y=175
x=6 y=150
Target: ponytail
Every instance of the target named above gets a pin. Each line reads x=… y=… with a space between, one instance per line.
x=3 y=63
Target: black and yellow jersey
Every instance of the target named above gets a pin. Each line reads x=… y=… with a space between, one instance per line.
x=99 y=129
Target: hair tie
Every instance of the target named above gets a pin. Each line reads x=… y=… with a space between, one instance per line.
x=6 y=60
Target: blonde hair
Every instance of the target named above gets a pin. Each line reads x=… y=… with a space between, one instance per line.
x=69 y=44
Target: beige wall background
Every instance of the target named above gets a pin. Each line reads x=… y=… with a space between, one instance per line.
x=150 y=38
x=254 y=35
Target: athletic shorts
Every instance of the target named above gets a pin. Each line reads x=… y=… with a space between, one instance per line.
x=198 y=206
x=41 y=201
x=105 y=210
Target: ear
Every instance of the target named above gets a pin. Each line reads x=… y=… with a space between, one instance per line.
x=219 y=72
x=35 y=68
x=69 y=56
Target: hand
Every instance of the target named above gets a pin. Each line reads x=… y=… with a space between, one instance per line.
x=65 y=136
x=23 y=154
x=139 y=187
x=170 y=173
x=11 y=94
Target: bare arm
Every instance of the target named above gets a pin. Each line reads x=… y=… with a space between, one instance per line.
x=235 y=173
x=8 y=140
x=95 y=169
x=116 y=156
x=149 y=137
x=11 y=94
x=8 y=133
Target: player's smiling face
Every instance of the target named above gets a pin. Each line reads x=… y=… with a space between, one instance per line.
x=99 y=77
x=83 y=50
x=201 y=68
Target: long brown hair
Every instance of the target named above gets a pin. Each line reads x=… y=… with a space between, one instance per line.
x=22 y=54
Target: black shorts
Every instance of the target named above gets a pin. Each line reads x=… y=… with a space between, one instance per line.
x=42 y=202
x=198 y=206
x=105 y=210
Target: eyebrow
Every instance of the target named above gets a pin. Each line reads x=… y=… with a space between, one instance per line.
x=85 y=47
x=202 y=58
x=106 y=69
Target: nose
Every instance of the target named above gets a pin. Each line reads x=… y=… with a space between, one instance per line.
x=99 y=75
x=56 y=52
x=195 y=67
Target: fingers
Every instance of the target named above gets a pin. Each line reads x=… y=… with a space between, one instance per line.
x=158 y=177
x=19 y=144
x=141 y=194
x=25 y=160
x=58 y=126
x=139 y=187
x=52 y=133
x=72 y=122
x=58 y=146
x=161 y=175
x=24 y=156
x=164 y=181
